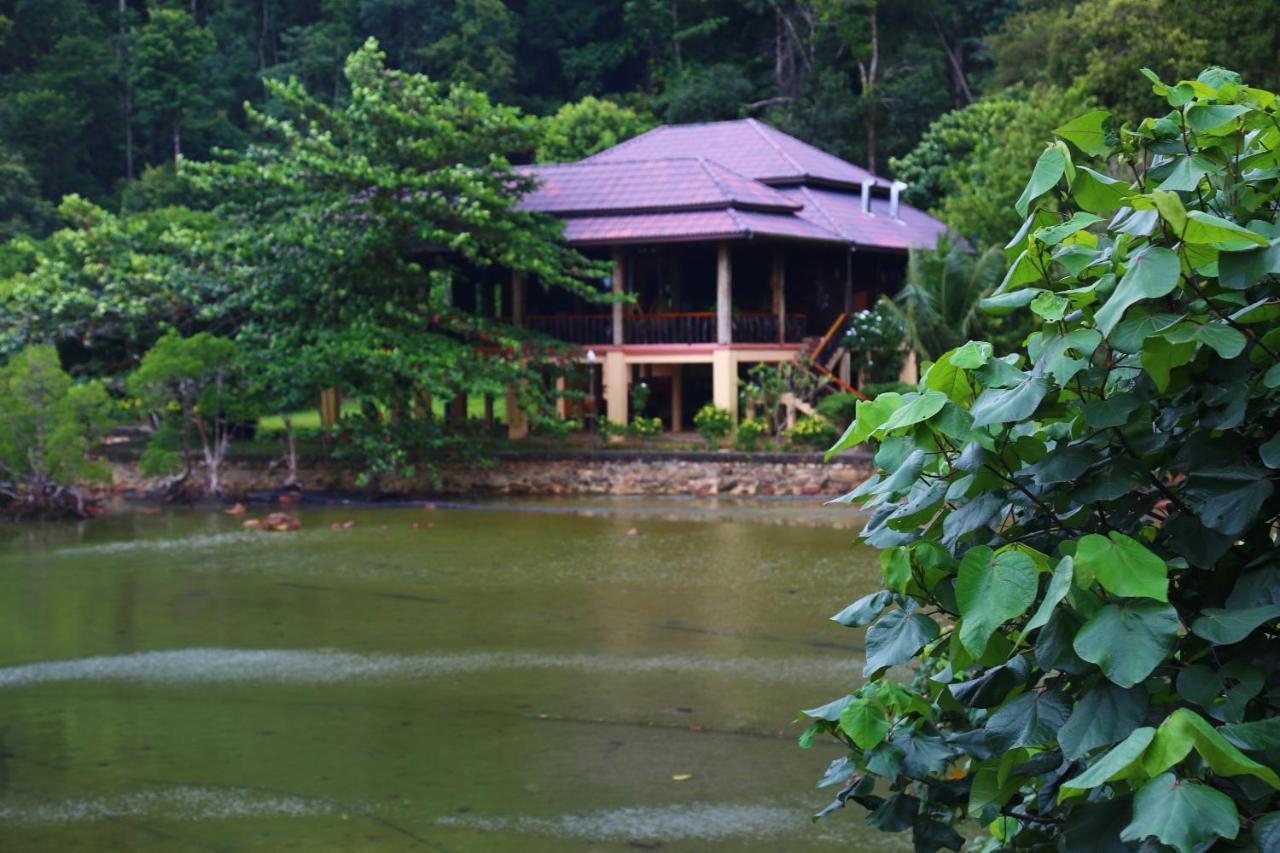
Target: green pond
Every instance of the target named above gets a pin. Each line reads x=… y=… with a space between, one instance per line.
x=594 y=675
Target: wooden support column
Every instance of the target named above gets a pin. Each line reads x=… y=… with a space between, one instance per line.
x=848 y=282
x=619 y=288
x=778 y=283
x=517 y=420
x=488 y=412
x=724 y=296
x=457 y=410
x=517 y=299
x=330 y=407
x=562 y=402
x=677 y=397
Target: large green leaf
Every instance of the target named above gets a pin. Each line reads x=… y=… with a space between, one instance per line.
x=1123 y=566
x=1128 y=640
x=865 y=610
x=1206 y=228
x=992 y=588
x=1098 y=193
x=1240 y=270
x=1187 y=173
x=1032 y=719
x=1112 y=411
x=1119 y=762
x=1185 y=815
x=1184 y=730
x=896 y=638
x=1224 y=627
x=1059 y=586
x=1105 y=715
x=914 y=409
x=1150 y=275
x=972 y=355
x=1266 y=832
x=870 y=414
x=1055 y=234
x=1255 y=736
x=1088 y=132
x=1048 y=171
x=1005 y=405
x=865 y=722
x=1207 y=117
x=1228 y=499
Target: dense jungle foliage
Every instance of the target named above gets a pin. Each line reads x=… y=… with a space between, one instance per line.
x=98 y=96
x=1078 y=538
x=150 y=154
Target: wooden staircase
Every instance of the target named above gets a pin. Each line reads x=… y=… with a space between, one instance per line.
x=820 y=356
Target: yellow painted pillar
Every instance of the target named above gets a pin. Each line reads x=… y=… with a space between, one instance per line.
x=910 y=370
x=724 y=381
x=616 y=387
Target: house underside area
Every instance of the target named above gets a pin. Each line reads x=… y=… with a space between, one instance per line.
x=697 y=316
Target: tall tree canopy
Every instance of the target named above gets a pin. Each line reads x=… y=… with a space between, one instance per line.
x=357 y=234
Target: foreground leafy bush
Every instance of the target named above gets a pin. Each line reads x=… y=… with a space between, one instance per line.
x=645 y=427
x=839 y=407
x=751 y=431
x=713 y=424
x=812 y=432
x=1078 y=542
x=49 y=428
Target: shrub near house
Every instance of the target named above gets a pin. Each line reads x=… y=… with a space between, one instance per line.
x=1079 y=541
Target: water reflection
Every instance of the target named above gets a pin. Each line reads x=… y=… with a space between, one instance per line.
x=493 y=677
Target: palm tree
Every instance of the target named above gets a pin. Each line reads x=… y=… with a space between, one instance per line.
x=938 y=302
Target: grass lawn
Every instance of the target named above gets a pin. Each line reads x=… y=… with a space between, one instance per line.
x=310 y=418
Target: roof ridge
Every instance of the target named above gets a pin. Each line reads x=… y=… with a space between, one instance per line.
x=715 y=179
x=758 y=184
x=755 y=125
x=625 y=142
x=737 y=220
x=589 y=162
x=826 y=214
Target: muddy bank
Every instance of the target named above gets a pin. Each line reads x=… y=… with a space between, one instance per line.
x=554 y=473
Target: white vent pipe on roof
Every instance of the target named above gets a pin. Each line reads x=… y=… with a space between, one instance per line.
x=866 y=196
x=895 y=189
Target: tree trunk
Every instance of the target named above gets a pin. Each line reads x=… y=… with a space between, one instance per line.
x=177 y=143
x=870 y=77
x=290 y=452
x=955 y=64
x=675 y=42
x=126 y=95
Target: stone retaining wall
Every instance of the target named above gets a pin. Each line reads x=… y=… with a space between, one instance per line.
x=568 y=473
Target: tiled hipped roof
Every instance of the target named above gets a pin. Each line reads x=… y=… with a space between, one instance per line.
x=723 y=180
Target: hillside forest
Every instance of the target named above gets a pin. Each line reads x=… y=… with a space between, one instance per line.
x=98 y=97
x=218 y=209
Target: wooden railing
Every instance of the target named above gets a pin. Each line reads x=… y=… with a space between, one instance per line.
x=823 y=351
x=686 y=327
